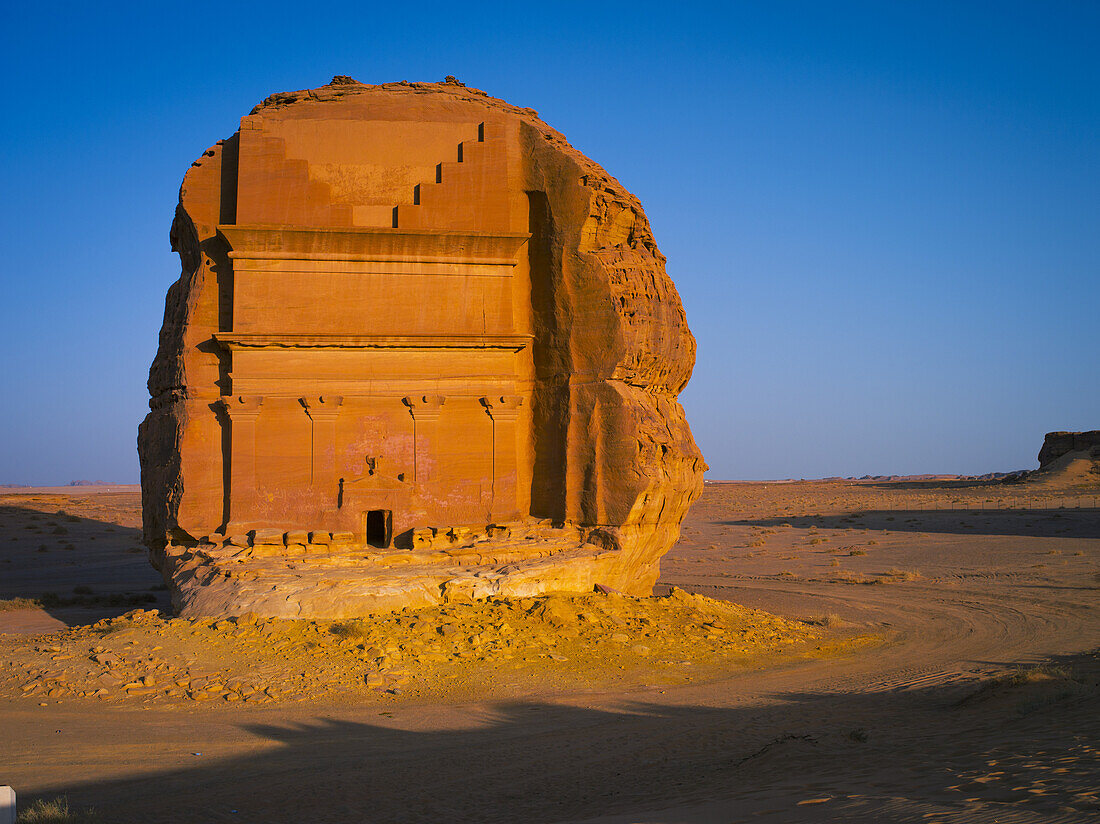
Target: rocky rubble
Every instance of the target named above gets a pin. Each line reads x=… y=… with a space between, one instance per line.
x=567 y=640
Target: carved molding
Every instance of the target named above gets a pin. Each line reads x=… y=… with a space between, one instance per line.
x=502 y=407
x=262 y=242
x=424 y=407
x=323 y=408
x=264 y=340
x=242 y=407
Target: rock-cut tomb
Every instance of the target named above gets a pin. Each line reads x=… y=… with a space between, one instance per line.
x=420 y=349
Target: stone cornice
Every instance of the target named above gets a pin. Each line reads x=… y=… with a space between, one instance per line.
x=256 y=242
x=264 y=340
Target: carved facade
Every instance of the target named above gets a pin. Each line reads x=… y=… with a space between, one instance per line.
x=420 y=340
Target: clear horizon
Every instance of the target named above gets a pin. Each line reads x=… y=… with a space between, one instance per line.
x=881 y=219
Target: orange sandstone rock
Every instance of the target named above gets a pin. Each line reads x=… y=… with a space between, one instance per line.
x=420 y=349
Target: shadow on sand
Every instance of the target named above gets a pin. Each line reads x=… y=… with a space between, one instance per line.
x=1034 y=523
x=79 y=569
x=537 y=762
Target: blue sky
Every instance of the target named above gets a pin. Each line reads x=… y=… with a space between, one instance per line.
x=882 y=217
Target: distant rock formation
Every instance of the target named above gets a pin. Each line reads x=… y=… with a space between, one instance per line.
x=421 y=348
x=1057 y=444
x=1069 y=458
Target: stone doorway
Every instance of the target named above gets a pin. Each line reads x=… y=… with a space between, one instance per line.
x=378 y=527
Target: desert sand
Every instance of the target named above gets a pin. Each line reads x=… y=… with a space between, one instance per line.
x=920 y=651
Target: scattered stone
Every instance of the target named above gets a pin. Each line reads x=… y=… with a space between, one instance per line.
x=203 y=660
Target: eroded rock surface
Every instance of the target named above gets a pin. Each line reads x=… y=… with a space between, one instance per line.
x=1072 y=457
x=1057 y=444
x=420 y=348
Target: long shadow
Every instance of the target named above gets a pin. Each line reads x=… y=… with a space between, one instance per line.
x=542 y=763
x=79 y=569
x=1035 y=523
x=959 y=484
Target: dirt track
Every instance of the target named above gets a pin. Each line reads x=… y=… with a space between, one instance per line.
x=888 y=734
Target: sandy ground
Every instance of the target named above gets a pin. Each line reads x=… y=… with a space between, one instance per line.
x=911 y=692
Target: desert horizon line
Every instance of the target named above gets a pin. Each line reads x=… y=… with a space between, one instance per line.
x=76 y=484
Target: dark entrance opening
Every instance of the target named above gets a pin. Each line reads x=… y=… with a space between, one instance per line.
x=379 y=525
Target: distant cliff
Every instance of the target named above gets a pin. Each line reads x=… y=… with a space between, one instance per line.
x=1057 y=444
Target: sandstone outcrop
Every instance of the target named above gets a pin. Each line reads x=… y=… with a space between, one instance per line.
x=420 y=349
x=1057 y=444
x=1069 y=457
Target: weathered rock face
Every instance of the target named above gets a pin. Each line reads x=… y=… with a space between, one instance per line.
x=1057 y=444
x=420 y=348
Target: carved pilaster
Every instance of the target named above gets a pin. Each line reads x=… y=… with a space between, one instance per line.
x=322 y=412
x=504 y=411
x=426 y=411
x=243 y=410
